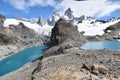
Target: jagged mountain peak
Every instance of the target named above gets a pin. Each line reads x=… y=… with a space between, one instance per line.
x=112 y=19
x=41 y=21
x=33 y=20
x=55 y=18
x=85 y=23
x=69 y=13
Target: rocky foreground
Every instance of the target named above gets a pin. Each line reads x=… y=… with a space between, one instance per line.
x=64 y=60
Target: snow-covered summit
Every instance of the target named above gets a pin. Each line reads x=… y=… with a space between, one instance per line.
x=89 y=25
x=69 y=14
x=86 y=24
x=41 y=21
x=55 y=17
x=93 y=27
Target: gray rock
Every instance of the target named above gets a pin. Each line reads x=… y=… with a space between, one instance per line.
x=2 y=19
x=69 y=13
x=41 y=21
x=54 y=19
x=33 y=21
x=63 y=31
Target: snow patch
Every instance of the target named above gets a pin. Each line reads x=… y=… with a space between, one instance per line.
x=94 y=29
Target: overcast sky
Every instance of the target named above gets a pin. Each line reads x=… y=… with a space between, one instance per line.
x=100 y=9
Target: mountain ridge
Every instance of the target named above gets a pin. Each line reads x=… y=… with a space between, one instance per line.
x=44 y=26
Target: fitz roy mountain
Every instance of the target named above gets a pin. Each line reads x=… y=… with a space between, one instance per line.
x=86 y=24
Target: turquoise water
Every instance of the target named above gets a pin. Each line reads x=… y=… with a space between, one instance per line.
x=17 y=60
x=112 y=45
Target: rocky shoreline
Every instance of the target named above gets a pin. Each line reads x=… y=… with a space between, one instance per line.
x=72 y=60
x=7 y=50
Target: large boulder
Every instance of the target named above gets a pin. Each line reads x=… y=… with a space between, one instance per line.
x=64 y=30
x=64 y=36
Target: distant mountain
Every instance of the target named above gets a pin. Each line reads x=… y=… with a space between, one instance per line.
x=41 y=21
x=86 y=24
x=54 y=19
x=89 y=25
x=69 y=14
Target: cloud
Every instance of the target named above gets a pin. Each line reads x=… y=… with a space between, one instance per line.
x=18 y=4
x=92 y=8
x=27 y=4
x=41 y=3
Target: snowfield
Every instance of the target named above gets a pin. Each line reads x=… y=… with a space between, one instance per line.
x=45 y=30
x=94 y=29
x=89 y=28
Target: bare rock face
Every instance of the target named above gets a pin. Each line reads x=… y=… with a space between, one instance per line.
x=112 y=32
x=27 y=36
x=22 y=31
x=63 y=31
x=69 y=13
x=41 y=21
x=64 y=36
x=4 y=39
x=54 y=19
x=2 y=19
x=114 y=27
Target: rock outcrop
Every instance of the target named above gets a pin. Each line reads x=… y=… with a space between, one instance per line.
x=2 y=19
x=64 y=36
x=64 y=30
x=69 y=13
x=112 y=32
x=54 y=19
x=113 y=28
x=41 y=21
x=4 y=39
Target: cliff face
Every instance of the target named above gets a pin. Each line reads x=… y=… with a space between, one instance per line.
x=5 y=39
x=63 y=31
x=64 y=36
x=2 y=19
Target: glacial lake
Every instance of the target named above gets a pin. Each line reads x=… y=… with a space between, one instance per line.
x=17 y=60
x=111 y=45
